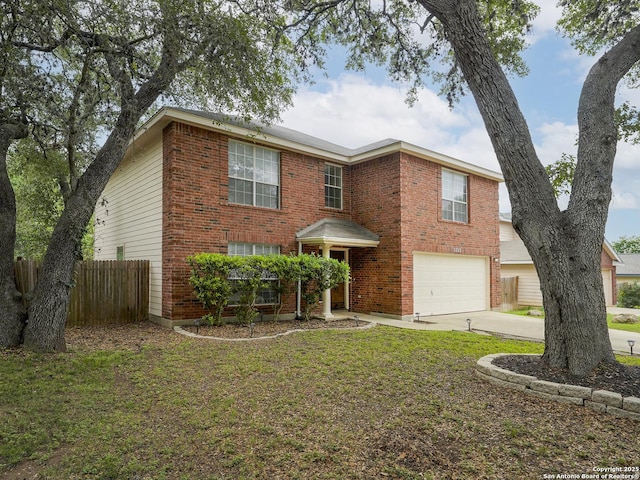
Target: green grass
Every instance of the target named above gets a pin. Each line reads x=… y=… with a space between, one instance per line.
x=633 y=327
x=378 y=403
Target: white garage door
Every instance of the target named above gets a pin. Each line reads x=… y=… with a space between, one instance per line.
x=449 y=283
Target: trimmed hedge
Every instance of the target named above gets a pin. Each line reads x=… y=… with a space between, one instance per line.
x=216 y=278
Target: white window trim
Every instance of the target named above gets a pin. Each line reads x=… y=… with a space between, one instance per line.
x=453 y=200
x=253 y=181
x=341 y=187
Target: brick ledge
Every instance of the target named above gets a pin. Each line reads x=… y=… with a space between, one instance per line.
x=599 y=400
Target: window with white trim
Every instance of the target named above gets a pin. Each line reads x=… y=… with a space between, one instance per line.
x=267 y=296
x=254 y=175
x=332 y=186
x=454 y=196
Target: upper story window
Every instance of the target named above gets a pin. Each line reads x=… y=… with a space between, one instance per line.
x=454 y=196
x=332 y=186
x=254 y=175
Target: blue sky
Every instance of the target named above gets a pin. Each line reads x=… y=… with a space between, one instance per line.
x=354 y=109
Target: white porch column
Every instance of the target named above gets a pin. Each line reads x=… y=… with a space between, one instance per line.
x=326 y=295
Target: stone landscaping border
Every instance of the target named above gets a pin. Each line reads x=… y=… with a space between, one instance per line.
x=182 y=331
x=599 y=400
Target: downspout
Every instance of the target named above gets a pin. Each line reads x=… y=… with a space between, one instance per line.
x=299 y=292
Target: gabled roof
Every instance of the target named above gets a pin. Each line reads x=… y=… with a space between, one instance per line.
x=335 y=231
x=629 y=265
x=285 y=138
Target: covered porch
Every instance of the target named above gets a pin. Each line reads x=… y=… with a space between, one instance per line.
x=335 y=237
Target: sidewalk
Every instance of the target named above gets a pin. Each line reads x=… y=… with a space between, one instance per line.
x=512 y=326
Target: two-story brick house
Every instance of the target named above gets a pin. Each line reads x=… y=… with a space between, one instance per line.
x=419 y=229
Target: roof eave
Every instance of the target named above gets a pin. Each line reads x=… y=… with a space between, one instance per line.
x=337 y=241
x=427 y=154
x=166 y=115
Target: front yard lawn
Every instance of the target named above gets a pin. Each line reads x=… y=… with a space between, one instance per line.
x=143 y=402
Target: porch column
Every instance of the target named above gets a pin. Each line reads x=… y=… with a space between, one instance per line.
x=326 y=295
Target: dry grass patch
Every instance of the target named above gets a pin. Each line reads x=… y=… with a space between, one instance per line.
x=380 y=403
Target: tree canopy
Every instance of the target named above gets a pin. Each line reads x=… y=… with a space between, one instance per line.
x=473 y=46
x=627 y=244
x=96 y=68
x=78 y=76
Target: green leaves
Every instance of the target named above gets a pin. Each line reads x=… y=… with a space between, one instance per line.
x=218 y=278
x=561 y=174
x=594 y=24
x=627 y=244
x=408 y=38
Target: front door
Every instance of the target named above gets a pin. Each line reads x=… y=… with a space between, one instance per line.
x=337 y=293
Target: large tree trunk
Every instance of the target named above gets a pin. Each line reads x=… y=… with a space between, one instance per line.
x=12 y=312
x=565 y=246
x=568 y=265
x=48 y=310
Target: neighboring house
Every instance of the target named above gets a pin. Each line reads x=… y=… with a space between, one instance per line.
x=418 y=229
x=516 y=262
x=628 y=269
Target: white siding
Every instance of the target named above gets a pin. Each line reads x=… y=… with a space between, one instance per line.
x=507 y=233
x=132 y=217
x=607 y=282
x=528 y=283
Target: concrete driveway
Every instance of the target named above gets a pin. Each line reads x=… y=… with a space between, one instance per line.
x=512 y=326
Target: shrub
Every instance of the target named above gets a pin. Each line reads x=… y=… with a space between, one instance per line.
x=317 y=274
x=216 y=278
x=250 y=277
x=211 y=284
x=283 y=268
x=629 y=295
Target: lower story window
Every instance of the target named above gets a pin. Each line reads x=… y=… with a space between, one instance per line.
x=266 y=296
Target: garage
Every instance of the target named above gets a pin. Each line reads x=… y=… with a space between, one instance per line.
x=445 y=284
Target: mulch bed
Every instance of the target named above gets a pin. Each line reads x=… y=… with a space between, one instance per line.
x=615 y=377
x=270 y=328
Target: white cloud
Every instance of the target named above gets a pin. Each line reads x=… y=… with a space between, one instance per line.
x=545 y=23
x=554 y=139
x=624 y=200
x=352 y=111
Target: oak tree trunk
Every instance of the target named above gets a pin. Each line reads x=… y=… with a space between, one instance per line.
x=565 y=245
x=12 y=311
x=48 y=309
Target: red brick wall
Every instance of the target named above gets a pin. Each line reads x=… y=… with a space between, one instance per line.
x=399 y=198
x=197 y=216
x=424 y=230
x=384 y=195
x=377 y=285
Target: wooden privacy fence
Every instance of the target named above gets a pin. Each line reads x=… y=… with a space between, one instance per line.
x=104 y=293
x=509 y=293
